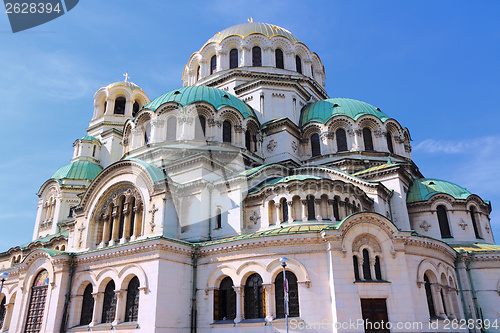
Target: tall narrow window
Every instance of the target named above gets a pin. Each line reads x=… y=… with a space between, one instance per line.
x=341 y=140
x=172 y=128
x=254 y=305
x=298 y=64
x=284 y=209
x=109 y=235
x=213 y=64
x=367 y=274
x=474 y=223
x=109 y=303
x=226 y=132
x=428 y=294
x=36 y=306
x=293 y=295
x=2 y=311
x=390 y=146
x=248 y=139
x=256 y=56
x=147 y=132
x=278 y=54
x=135 y=109
x=120 y=105
x=367 y=139
x=132 y=210
x=198 y=70
x=336 y=209
x=233 y=58
x=444 y=225
x=200 y=128
x=121 y=226
x=310 y=208
x=378 y=271
x=315 y=145
x=225 y=301
x=355 y=265
x=132 y=305
x=218 y=218
x=87 y=306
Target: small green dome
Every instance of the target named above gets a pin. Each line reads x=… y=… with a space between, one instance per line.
x=246 y=29
x=423 y=189
x=89 y=138
x=324 y=110
x=216 y=97
x=130 y=85
x=78 y=170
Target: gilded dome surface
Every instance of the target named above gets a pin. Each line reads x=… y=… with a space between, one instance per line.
x=130 y=85
x=246 y=29
x=324 y=110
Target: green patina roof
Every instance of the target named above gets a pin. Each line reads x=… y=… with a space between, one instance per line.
x=216 y=97
x=46 y=239
x=90 y=138
x=246 y=29
x=78 y=170
x=131 y=85
x=423 y=188
x=324 y=110
x=155 y=172
x=287 y=179
x=477 y=248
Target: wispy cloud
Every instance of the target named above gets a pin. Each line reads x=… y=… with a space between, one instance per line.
x=475 y=146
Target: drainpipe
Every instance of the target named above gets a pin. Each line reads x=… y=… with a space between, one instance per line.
x=457 y=260
x=68 y=293
x=193 y=305
x=210 y=189
x=474 y=297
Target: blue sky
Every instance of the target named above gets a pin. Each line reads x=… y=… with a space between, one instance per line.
x=432 y=65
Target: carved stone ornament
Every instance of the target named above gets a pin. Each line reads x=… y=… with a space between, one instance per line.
x=255 y=217
x=294 y=146
x=425 y=226
x=153 y=211
x=271 y=146
x=463 y=224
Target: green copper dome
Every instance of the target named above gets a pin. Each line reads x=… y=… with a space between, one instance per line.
x=324 y=110
x=246 y=29
x=424 y=188
x=78 y=170
x=216 y=97
x=89 y=138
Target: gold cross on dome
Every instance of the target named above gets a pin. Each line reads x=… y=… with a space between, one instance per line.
x=126 y=77
x=250 y=20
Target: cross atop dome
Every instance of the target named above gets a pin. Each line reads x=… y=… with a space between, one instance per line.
x=126 y=77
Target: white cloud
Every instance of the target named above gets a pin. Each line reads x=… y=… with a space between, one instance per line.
x=476 y=146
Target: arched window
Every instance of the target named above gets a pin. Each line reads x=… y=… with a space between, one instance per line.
x=218 y=218
x=341 y=140
x=278 y=54
x=120 y=105
x=315 y=145
x=213 y=64
x=36 y=306
x=378 y=271
x=390 y=146
x=198 y=73
x=254 y=300
x=132 y=306
x=200 y=125
x=311 y=215
x=367 y=274
x=233 y=58
x=109 y=303
x=87 y=306
x=248 y=139
x=2 y=311
x=444 y=225
x=298 y=64
x=284 y=209
x=355 y=265
x=336 y=209
x=172 y=128
x=256 y=56
x=367 y=139
x=121 y=226
x=293 y=295
x=225 y=301
x=226 y=132
x=430 y=299
x=474 y=223
x=135 y=109
x=271 y=208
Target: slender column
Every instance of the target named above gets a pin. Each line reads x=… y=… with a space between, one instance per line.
x=204 y=69
x=279 y=217
x=110 y=105
x=116 y=225
x=239 y=304
x=138 y=220
x=360 y=267
x=448 y=291
x=128 y=218
x=291 y=211
x=246 y=59
x=75 y=315
x=133 y=212
x=97 y=313
x=304 y=210
x=7 y=317
x=106 y=232
x=268 y=291
x=332 y=212
x=120 y=306
x=128 y=107
x=437 y=299
x=156 y=130
x=317 y=206
x=342 y=209
x=372 y=268
x=137 y=137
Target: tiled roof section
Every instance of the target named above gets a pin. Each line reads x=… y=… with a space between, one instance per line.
x=375 y=168
x=90 y=138
x=423 y=189
x=246 y=29
x=287 y=179
x=46 y=239
x=78 y=170
x=155 y=172
x=477 y=248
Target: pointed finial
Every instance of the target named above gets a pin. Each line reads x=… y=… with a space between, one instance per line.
x=126 y=77
x=389 y=161
x=250 y=20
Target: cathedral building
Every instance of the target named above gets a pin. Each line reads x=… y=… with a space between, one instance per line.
x=174 y=212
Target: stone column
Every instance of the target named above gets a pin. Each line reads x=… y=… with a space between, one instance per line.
x=128 y=107
x=436 y=288
x=137 y=138
x=291 y=211
x=448 y=294
x=267 y=288
x=128 y=217
x=138 y=220
x=156 y=130
x=246 y=57
x=332 y=212
x=133 y=212
x=317 y=206
x=74 y=315
x=342 y=209
x=239 y=303
x=110 y=105
x=372 y=268
x=279 y=215
x=6 y=319
x=97 y=313
x=120 y=306
x=266 y=56
x=360 y=267
x=304 y=210
x=106 y=233
x=116 y=225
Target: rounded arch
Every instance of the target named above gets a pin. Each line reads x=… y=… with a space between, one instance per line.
x=104 y=276
x=219 y=273
x=81 y=281
x=120 y=91
x=426 y=266
x=37 y=261
x=232 y=115
x=293 y=265
x=130 y=271
x=249 y=268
